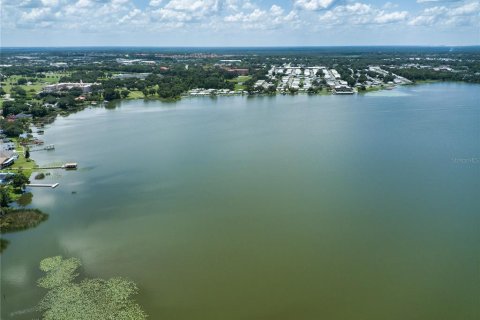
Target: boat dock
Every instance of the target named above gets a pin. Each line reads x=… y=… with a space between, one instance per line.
x=49 y=147
x=66 y=166
x=43 y=185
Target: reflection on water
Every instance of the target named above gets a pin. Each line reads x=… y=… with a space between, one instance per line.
x=388 y=93
x=25 y=199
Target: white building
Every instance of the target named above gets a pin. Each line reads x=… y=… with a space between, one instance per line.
x=86 y=87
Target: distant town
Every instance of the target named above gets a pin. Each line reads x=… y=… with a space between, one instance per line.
x=39 y=84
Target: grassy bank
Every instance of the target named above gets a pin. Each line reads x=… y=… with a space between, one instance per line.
x=21 y=165
x=27 y=166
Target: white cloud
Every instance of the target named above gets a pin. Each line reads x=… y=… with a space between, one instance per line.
x=50 y=3
x=263 y=19
x=225 y=16
x=389 y=5
x=197 y=6
x=155 y=3
x=313 y=5
x=186 y=10
x=466 y=13
x=433 y=1
x=391 y=17
x=172 y=15
x=276 y=10
x=360 y=14
x=36 y=15
x=466 y=9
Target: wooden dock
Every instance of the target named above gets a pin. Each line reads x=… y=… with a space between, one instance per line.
x=43 y=185
x=66 y=166
x=49 y=147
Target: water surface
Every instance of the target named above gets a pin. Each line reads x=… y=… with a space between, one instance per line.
x=304 y=207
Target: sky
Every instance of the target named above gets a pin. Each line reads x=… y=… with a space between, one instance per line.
x=193 y=23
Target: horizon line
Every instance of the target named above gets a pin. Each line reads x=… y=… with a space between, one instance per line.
x=255 y=46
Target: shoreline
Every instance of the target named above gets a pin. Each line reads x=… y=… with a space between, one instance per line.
x=242 y=94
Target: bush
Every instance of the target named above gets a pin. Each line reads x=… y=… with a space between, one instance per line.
x=40 y=176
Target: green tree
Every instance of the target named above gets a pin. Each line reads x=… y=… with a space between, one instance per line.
x=125 y=93
x=18 y=92
x=12 y=129
x=87 y=299
x=65 y=102
x=76 y=92
x=111 y=94
x=27 y=153
x=350 y=81
x=4 y=197
x=19 y=180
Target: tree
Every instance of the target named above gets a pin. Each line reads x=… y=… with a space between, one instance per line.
x=4 y=197
x=38 y=112
x=27 y=153
x=350 y=81
x=125 y=93
x=19 y=180
x=22 y=81
x=18 y=92
x=76 y=92
x=388 y=78
x=292 y=90
x=111 y=94
x=87 y=299
x=13 y=129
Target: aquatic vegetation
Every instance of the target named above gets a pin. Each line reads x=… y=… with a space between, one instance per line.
x=40 y=176
x=25 y=199
x=20 y=219
x=3 y=244
x=87 y=299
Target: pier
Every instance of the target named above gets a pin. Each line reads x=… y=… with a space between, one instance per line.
x=49 y=147
x=66 y=166
x=43 y=185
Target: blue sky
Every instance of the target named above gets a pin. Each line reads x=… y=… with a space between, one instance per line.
x=239 y=23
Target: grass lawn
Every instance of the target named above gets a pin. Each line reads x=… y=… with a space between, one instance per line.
x=239 y=87
x=371 y=89
x=240 y=79
x=27 y=166
x=51 y=78
x=136 y=94
x=239 y=82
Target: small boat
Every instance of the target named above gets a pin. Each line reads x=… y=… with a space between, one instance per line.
x=70 y=166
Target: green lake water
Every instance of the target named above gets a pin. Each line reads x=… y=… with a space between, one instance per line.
x=299 y=207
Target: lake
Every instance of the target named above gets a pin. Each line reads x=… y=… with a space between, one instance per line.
x=284 y=207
